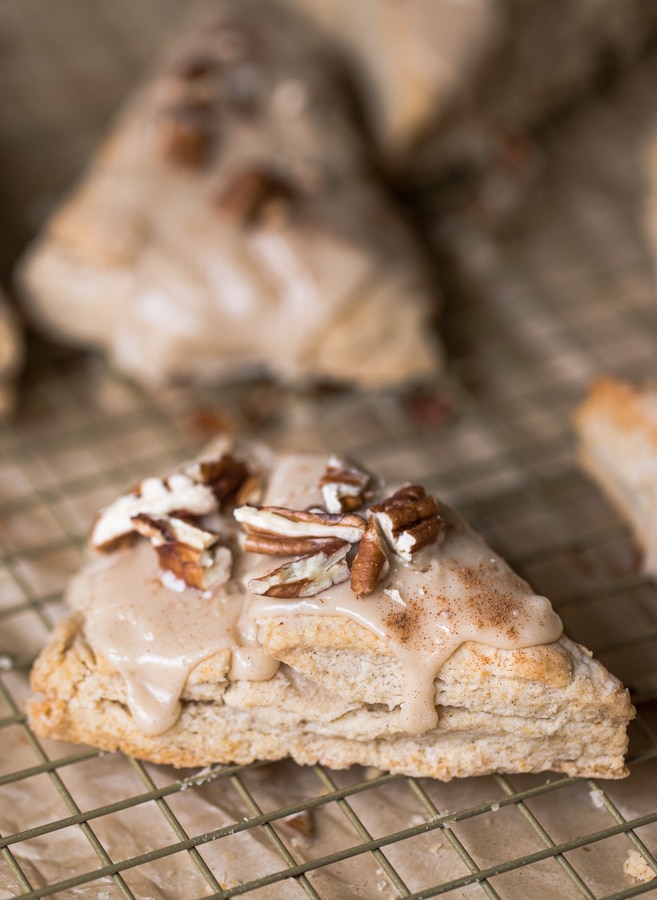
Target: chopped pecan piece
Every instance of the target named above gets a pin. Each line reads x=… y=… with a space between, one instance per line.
x=226 y=476
x=371 y=561
x=188 y=134
x=343 y=485
x=169 y=529
x=251 y=489
x=278 y=521
x=154 y=497
x=409 y=520
x=428 y=408
x=187 y=551
x=198 y=65
x=258 y=197
x=307 y=575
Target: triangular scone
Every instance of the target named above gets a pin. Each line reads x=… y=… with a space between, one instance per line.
x=331 y=619
x=468 y=77
x=616 y=427
x=233 y=223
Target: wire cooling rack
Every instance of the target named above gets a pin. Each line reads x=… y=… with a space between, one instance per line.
x=566 y=292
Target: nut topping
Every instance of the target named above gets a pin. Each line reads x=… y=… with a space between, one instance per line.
x=274 y=545
x=170 y=529
x=188 y=133
x=371 y=561
x=307 y=575
x=343 y=485
x=251 y=490
x=155 y=497
x=257 y=197
x=409 y=520
x=187 y=551
x=294 y=523
x=226 y=476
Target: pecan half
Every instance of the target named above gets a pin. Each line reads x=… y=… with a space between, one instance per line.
x=295 y=523
x=409 y=520
x=156 y=497
x=343 y=485
x=274 y=545
x=187 y=551
x=307 y=575
x=258 y=197
x=371 y=560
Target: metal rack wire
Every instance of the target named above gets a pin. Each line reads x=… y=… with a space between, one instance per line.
x=564 y=293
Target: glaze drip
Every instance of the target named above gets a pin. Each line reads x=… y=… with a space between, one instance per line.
x=424 y=609
x=155 y=630
x=155 y=635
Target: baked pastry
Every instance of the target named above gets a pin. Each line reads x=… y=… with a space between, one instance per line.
x=11 y=356
x=616 y=428
x=254 y=607
x=232 y=223
x=447 y=83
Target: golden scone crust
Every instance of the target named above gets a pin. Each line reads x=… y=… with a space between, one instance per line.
x=616 y=430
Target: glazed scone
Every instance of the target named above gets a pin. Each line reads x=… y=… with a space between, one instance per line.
x=447 y=82
x=329 y=618
x=232 y=223
x=412 y=60
x=11 y=356
x=616 y=428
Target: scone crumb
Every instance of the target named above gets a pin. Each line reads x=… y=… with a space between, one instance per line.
x=636 y=867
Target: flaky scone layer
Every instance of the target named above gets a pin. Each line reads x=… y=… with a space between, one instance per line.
x=549 y=708
x=616 y=428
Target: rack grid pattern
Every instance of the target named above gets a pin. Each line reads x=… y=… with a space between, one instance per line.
x=564 y=293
